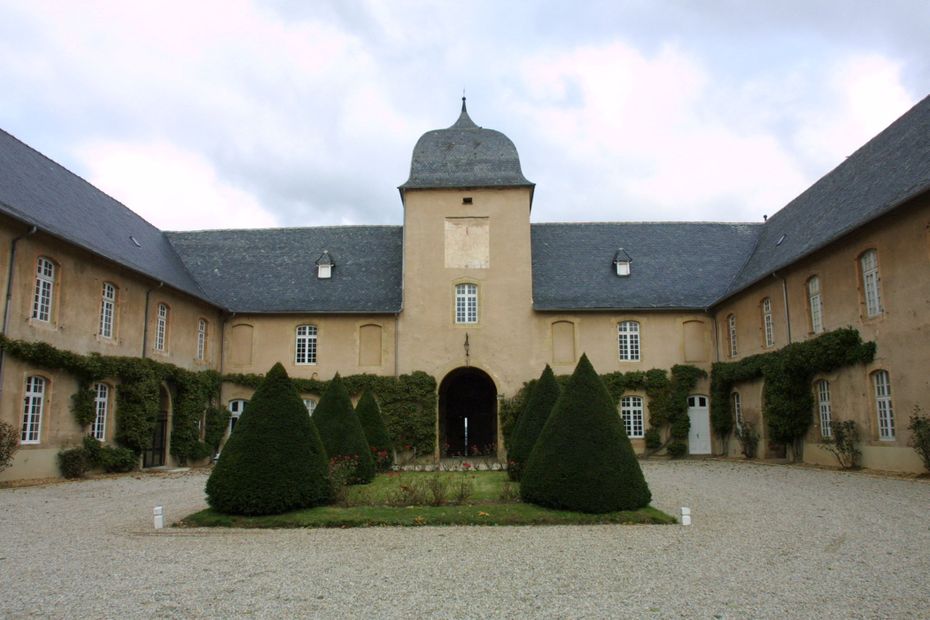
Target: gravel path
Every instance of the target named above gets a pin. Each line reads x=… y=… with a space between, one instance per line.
x=767 y=541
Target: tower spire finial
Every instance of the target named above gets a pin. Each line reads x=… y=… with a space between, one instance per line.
x=463 y=101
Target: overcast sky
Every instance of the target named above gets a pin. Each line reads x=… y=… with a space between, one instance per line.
x=243 y=113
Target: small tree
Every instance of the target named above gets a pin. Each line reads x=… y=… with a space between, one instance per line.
x=274 y=461
x=748 y=439
x=531 y=422
x=583 y=459
x=843 y=443
x=9 y=444
x=341 y=430
x=379 y=442
x=920 y=435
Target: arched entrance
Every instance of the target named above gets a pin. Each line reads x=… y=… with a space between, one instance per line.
x=467 y=413
x=156 y=452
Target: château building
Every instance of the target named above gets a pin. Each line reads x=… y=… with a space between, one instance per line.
x=471 y=292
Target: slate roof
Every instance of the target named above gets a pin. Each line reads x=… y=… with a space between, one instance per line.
x=464 y=155
x=675 y=265
x=274 y=270
x=42 y=193
x=890 y=169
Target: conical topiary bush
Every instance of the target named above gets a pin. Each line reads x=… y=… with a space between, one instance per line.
x=583 y=459
x=369 y=415
x=544 y=395
x=274 y=461
x=341 y=430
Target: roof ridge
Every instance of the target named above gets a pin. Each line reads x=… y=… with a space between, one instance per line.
x=594 y=223
x=280 y=228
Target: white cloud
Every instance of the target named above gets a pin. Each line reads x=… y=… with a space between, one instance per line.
x=171 y=188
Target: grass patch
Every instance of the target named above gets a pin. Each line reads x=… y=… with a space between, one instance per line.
x=489 y=503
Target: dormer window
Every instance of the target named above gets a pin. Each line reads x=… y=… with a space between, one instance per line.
x=324 y=266
x=622 y=262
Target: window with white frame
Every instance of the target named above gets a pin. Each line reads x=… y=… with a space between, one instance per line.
x=628 y=341
x=107 y=310
x=45 y=288
x=731 y=333
x=310 y=404
x=824 y=409
x=236 y=407
x=631 y=409
x=306 y=344
x=101 y=403
x=870 y=288
x=161 y=327
x=768 y=326
x=737 y=409
x=33 y=405
x=815 y=302
x=201 y=339
x=882 y=383
x=466 y=303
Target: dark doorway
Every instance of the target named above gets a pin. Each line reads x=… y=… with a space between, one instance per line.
x=468 y=413
x=154 y=453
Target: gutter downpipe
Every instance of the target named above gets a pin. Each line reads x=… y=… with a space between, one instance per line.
x=9 y=293
x=145 y=321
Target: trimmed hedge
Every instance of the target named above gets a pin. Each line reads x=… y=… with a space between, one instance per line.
x=369 y=415
x=341 y=431
x=583 y=459
x=530 y=425
x=274 y=461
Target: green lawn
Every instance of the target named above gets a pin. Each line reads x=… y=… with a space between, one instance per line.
x=493 y=500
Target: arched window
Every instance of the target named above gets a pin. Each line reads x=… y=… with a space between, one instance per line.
x=33 y=406
x=823 y=408
x=107 y=310
x=882 y=383
x=45 y=289
x=631 y=409
x=236 y=407
x=731 y=333
x=737 y=409
x=768 y=326
x=161 y=327
x=815 y=303
x=628 y=341
x=310 y=404
x=306 y=344
x=466 y=303
x=101 y=405
x=201 y=339
x=870 y=283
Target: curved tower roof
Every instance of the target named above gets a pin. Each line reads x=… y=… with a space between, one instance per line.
x=464 y=155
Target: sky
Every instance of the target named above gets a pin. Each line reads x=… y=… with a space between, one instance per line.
x=254 y=114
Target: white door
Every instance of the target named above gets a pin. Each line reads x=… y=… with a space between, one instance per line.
x=699 y=434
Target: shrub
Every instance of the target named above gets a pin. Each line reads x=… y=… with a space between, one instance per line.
x=677 y=449
x=108 y=458
x=583 y=459
x=73 y=463
x=341 y=431
x=653 y=439
x=844 y=443
x=748 y=439
x=9 y=444
x=341 y=470
x=274 y=461
x=438 y=488
x=920 y=435
x=531 y=423
x=379 y=442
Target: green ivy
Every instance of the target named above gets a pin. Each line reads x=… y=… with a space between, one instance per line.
x=787 y=396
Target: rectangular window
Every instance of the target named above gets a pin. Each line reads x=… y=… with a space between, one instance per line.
x=873 y=301
x=816 y=304
x=628 y=341
x=466 y=303
x=236 y=407
x=107 y=310
x=731 y=332
x=768 y=325
x=306 y=344
x=310 y=404
x=33 y=404
x=631 y=408
x=101 y=400
x=201 y=339
x=161 y=327
x=45 y=286
x=883 y=404
x=738 y=409
x=823 y=406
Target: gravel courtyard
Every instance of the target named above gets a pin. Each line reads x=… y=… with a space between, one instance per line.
x=767 y=541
